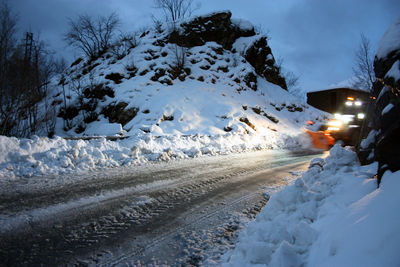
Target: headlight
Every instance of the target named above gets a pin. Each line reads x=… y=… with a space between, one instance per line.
x=332 y=128
x=344 y=118
x=335 y=123
x=358 y=103
x=349 y=103
x=360 y=116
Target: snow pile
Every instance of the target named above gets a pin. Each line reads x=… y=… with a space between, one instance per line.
x=332 y=216
x=43 y=156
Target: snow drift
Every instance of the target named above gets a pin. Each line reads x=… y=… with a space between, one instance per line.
x=333 y=215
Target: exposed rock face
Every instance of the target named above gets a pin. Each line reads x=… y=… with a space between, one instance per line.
x=211 y=49
x=259 y=55
x=385 y=112
x=216 y=27
x=118 y=113
x=386 y=67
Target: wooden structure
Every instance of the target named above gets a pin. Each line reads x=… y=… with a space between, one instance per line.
x=332 y=100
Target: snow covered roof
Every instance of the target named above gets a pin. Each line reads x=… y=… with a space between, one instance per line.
x=337 y=88
x=348 y=83
x=390 y=40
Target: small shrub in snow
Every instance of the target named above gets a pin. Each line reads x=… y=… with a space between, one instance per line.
x=247 y=122
x=224 y=69
x=205 y=67
x=115 y=77
x=143 y=72
x=69 y=113
x=228 y=128
x=251 y=80
x=76 y=62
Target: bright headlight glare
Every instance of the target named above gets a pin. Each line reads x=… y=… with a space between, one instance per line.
x=335 y=123
x=358 y=103
x=332 y=128
x=349 y=103
x=360 y=116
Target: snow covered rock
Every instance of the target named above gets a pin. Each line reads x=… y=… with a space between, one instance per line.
x=220 y=28
x=386 y=122
x=215 y=27
x=260 y=57
x=388 y=53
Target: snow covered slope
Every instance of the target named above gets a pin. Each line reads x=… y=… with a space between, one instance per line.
x=216 y=91
x=211 y=95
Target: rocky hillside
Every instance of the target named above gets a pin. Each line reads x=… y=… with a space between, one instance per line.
x=383 y=143
x=211 y=75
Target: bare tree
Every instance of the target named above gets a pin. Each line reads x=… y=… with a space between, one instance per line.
x=92 y=36
x=26 y=68
x=157 y=24
x=364 y=68
x=124 y=43
x=292 y=81
x=28 y=75
x=7 y=44
x=175 y=10
x=179 y=56
x=178 y=64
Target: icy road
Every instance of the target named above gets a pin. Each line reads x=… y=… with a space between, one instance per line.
x=177 y=213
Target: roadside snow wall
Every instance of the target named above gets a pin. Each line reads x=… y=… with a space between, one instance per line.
x=332 y=216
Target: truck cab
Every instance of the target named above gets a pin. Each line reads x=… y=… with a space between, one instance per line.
x=348 y=108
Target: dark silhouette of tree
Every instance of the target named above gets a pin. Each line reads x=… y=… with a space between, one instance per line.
x=25 y=71
x=92 y=36
x=175 y=10
x=364 y=68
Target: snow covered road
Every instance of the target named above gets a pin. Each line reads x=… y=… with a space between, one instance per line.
x=180 y=212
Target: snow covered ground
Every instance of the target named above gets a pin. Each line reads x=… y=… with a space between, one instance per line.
x=334 y=215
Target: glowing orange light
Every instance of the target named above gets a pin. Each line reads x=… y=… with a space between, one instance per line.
x=350 y=98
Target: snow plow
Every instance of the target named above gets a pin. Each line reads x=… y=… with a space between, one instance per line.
x=320 y=139
x=344 y=127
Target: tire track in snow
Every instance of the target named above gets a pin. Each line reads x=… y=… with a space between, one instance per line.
x=100 y=226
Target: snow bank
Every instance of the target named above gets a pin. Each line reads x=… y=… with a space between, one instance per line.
x=332 y=216
x=43 y=156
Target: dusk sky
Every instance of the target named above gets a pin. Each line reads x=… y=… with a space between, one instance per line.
x=317 y=39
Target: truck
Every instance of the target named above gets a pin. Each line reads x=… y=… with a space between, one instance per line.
x=348 y=108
